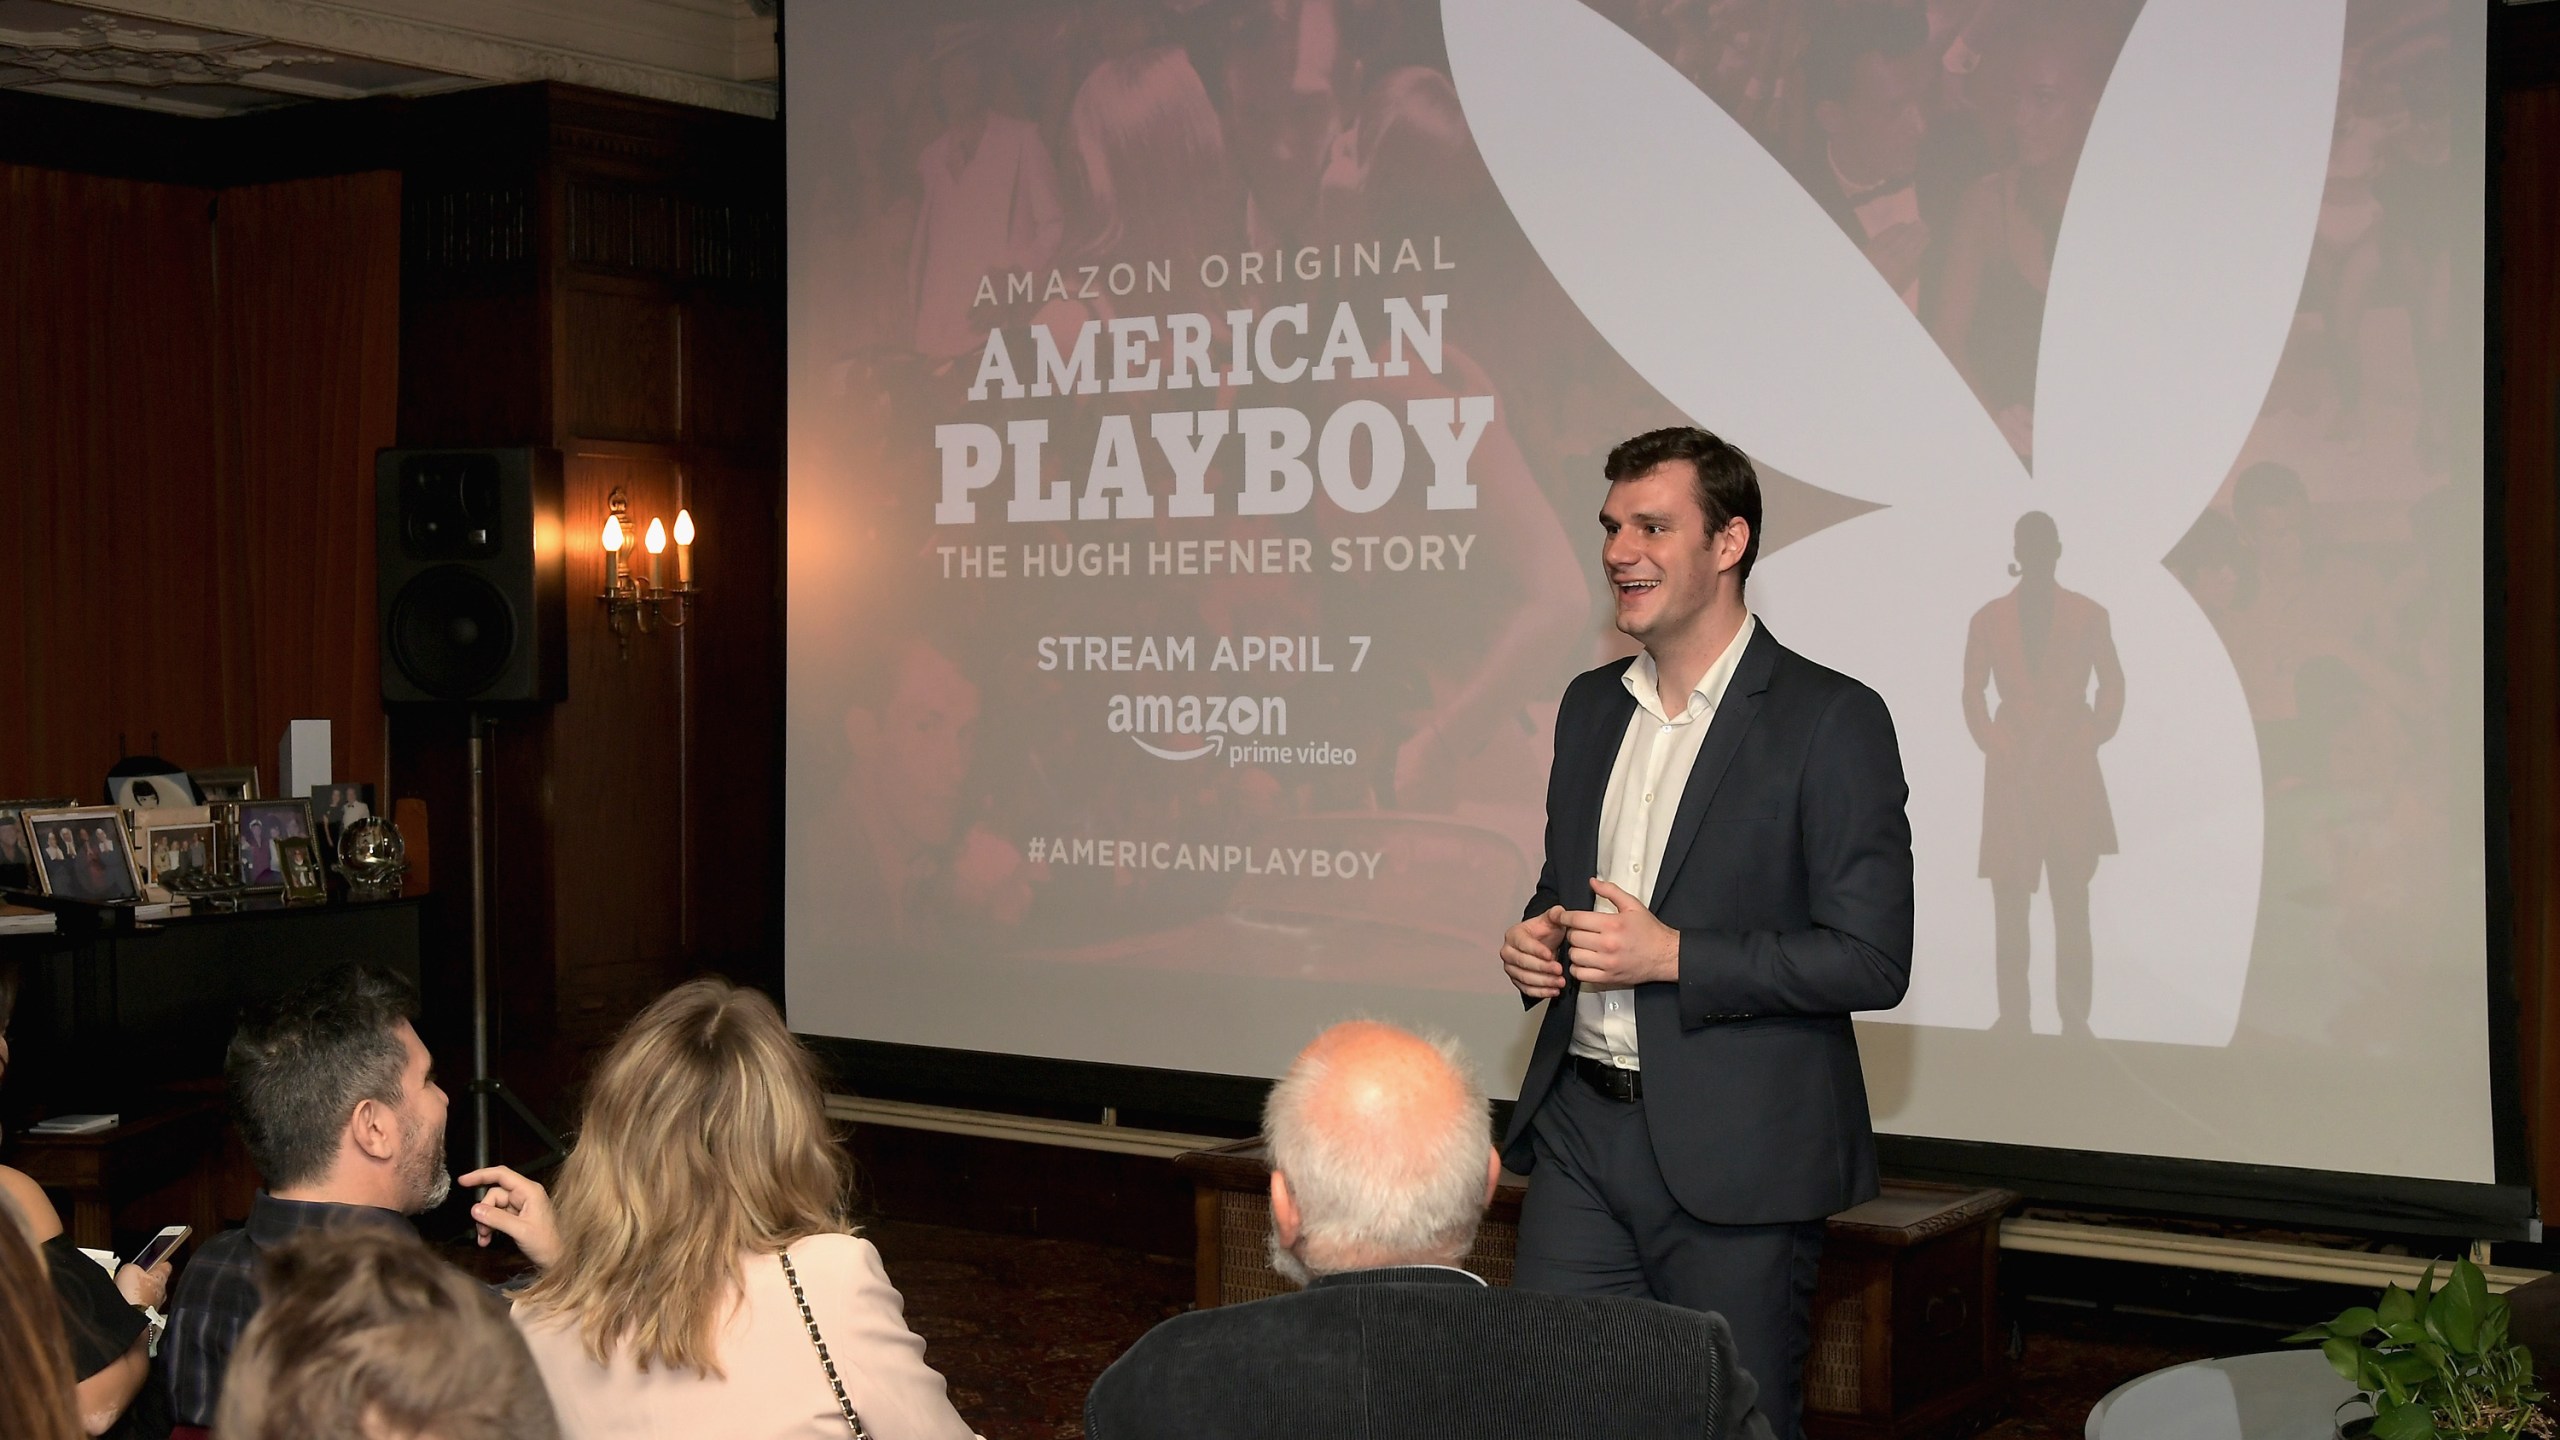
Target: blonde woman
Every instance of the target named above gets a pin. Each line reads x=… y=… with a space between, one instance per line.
x=699 y=1276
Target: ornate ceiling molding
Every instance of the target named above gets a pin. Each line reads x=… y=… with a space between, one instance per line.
x=106 y=50
x=690 y=52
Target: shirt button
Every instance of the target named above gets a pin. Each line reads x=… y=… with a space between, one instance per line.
x=1635 y=867
x=1648 y=797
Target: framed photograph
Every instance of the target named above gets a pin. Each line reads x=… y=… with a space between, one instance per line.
x=150 y=792
x=298 y=858
x=335 y=807
x=255 y=827
x=82 y=854
x=178 y=843
x=225 y=782
x=13 y=840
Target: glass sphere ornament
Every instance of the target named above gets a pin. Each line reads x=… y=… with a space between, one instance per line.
x=373 y=857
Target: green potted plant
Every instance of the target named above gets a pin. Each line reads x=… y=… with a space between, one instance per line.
x=2435 y=1364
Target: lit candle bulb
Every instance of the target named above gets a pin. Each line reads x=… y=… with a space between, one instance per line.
x=656 y=540
x=612 y=541
x=684 y=547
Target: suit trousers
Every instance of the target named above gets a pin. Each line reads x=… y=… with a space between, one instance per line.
x=1599 y=1220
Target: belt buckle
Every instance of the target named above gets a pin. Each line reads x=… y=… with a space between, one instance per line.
x=1621 y=1085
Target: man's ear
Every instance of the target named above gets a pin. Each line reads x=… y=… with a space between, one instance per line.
x=1284 y=1211
x=375 y=1129
x=1492 y=1172
x=1731 y=542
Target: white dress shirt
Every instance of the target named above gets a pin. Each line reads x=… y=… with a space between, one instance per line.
x=1645 y=785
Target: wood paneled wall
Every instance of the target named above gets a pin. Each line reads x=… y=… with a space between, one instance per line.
x=604 y=276
x=2524 y=440
x=208 y=327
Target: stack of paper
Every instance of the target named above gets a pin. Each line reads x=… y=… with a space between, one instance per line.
x=74 y=1125
x=20 y=920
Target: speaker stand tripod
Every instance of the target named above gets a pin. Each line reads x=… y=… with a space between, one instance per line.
x=485 y=1085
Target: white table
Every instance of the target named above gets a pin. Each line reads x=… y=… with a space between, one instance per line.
x=2279 y=1395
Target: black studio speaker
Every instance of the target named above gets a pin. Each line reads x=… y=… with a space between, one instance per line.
x=472 y=580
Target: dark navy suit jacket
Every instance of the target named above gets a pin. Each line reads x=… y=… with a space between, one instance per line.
x=1788 y=876
x=1417 y=1351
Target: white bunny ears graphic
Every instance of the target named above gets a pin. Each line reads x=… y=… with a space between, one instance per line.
x=2175 y=279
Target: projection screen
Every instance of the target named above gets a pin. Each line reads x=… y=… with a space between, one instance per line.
x=1196 y=417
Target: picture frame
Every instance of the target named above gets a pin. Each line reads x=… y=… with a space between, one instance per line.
x=13 y=840
x=298 y=861
x=82 y=853
x=251 y=829
x=336 y=806
x=224 y=782
x=150 y=792
x=179 y=843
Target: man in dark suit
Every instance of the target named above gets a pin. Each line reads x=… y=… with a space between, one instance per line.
x=1381 y=1168
x=1728 y=876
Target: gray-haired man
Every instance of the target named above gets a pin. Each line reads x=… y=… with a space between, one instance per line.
x=1382 y=1162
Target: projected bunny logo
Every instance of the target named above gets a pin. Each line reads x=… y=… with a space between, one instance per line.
x=2174 y=281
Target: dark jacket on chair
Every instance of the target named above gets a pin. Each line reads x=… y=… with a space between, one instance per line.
x=1426 y=1351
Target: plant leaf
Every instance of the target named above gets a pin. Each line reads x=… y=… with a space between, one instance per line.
x=2455 y=1312
x=2354 y=1321
x=2347 y=1358
x=2399 y=1307
x=2404 y=1422
x=2410 y=1367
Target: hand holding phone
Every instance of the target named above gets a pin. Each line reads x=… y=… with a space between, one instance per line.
x=160 y=1246
x=145 y=1282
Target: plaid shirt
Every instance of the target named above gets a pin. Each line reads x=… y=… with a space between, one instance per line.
x=219 y=1292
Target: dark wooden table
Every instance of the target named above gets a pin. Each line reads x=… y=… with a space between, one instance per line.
x=135 y=1024
x=160 y=1166
x=104 y=1021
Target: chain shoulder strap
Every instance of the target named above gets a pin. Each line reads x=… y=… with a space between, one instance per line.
x=825 y=1361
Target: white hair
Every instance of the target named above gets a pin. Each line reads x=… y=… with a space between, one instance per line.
x=1405 y=1187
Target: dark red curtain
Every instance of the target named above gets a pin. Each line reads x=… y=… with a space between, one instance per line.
x=192 y=385
x=307 y=277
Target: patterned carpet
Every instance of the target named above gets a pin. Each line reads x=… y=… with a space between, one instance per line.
x=1021 y=1326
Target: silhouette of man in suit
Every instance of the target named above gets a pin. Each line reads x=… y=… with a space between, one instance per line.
x=2044 y=801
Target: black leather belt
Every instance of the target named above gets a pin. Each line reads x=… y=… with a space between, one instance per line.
x=1624 y=1086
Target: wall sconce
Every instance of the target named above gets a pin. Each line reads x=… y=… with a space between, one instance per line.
x=630 y=602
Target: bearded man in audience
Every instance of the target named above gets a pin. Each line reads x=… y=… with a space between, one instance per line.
x=1382 y=1163
x=338 y=1104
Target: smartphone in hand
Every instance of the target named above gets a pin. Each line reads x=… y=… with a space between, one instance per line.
x=161 y=1244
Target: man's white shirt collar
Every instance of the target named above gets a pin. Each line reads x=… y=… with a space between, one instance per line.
x=1452 y=1269
x=1644 y=680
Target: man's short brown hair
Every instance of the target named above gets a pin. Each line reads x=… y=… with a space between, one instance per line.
x=1728 y=487
x=365 y=1332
